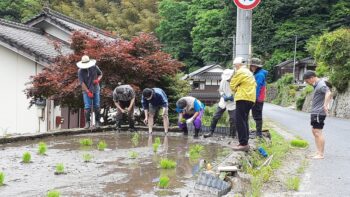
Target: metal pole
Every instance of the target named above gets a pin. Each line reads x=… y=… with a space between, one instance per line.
x=233 y=47
x=243 y=33
x=295 y=54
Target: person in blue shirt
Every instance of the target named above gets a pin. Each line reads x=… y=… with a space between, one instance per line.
x=260 y=77
x=153 y=99
x=190 y=110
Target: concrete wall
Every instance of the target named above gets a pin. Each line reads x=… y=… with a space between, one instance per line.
x=15 y=117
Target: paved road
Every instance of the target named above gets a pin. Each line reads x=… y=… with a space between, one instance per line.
x=328 y=177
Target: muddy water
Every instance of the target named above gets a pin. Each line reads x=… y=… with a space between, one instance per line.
x=110 y=173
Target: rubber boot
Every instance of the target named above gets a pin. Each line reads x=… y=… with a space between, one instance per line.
x=97 y=117
x=196 y=132
x=87 y=118
x=258 y=128
x=208 y=134
x=185 y=130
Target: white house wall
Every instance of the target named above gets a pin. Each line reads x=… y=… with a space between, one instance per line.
x=15 y=117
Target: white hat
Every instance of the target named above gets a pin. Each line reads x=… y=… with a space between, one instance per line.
x=227 y=74
x=239 y=60
x=86 y=62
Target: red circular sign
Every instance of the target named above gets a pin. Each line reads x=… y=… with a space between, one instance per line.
x=246 y=4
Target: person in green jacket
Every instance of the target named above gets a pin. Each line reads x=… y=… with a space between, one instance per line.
x=244 y=86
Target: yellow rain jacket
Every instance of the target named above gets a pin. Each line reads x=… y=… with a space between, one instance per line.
x=244 y=85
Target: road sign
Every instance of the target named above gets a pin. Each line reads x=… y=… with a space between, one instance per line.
x=246 y=4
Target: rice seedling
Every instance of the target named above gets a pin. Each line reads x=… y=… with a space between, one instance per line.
x=133 y=155
x=53 y=193
x=167 y=164
x=157 y=140
x=2 y=178
x=87 y=157
x=293 y=183
x=101 y=145
x=42 y=148
x=26 y=158
x=59 y=169
x=163 y=182
x=196 y=151
x=86 y=142
x=155 y=147
x=299 y=143
x=135 y=139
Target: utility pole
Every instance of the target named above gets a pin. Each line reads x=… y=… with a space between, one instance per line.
x=244 y=33
x=295 y=54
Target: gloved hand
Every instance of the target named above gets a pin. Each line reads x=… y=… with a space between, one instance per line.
x=228 y=98
x=190 y=120
x=96 y=81
x=90 y=94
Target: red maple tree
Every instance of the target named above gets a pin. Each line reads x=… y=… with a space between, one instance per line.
x=138 y=62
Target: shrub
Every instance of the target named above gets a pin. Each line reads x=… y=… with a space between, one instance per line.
x=26 y=158
x=42 y=148
x=86 y=142
x=167 y=164
x=87 y=157
x=59 y=168
x=2 y=178
x=101 y=145
x=53 y=193
x=299 y=143
x=163 y=182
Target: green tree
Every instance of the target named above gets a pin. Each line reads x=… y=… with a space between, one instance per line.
x=333 y=52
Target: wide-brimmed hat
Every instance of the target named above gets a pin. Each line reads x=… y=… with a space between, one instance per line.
x=256 y=62
x=239 y=60
x=227 y=74
x=86 y=62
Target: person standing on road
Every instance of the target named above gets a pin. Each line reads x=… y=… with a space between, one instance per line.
x=124 y=100
x=244 y=86
x=152 y=100
x=90 y=76
x=190 y=110
x=260 y=78
x=319 y=111
x=226 y=103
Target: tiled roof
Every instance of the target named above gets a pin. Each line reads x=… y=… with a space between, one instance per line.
x=31 y=41
x=199 y=71
x=205 y=95
x=69 y=24
x=209 y=76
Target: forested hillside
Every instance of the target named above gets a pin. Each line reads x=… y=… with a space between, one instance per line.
x=198 y=32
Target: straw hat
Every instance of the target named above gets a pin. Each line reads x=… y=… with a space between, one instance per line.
x=86 y=62
x=227 y=74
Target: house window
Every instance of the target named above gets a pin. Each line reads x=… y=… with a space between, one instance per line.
x=201 y=86
x=214 y=82
x=196 y=85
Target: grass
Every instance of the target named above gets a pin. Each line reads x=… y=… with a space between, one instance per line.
x=86 y=142
x=293 y=183
x=42 y=148
x=302 y=167
x=53 y=193
x=101 y=145
x=135 y=139
x=167 y=164
x=163 y=182
x=26 y=158
x=133 y=155
x=59 y=168
x=196 y=151
x=2 y=178
x=299 y=143
x=278 y=148
x=87 y=157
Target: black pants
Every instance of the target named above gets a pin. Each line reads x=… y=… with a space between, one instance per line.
x=119 y=118
x=242 y=113
x=218 y=114
x=257 y=115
